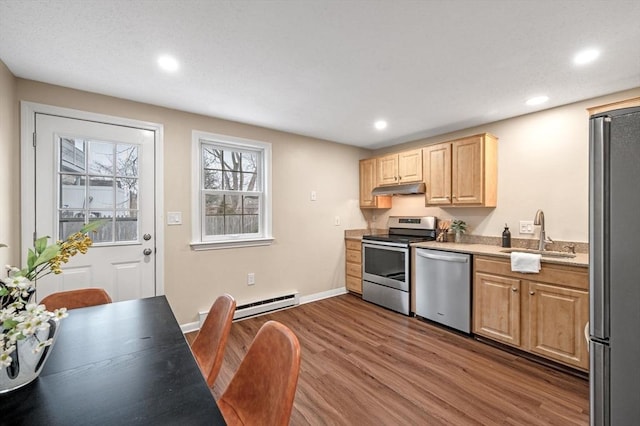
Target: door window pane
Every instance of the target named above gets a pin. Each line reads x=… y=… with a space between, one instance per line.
x=126 y=192
x=101 y=193
x=126 y=225
x=101 y=158
x=72 y=192
x=104 y=233
x=72 y=155
x=127 y=160
x=71 y=221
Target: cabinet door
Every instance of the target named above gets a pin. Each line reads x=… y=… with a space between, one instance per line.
x=410 y=166
x=367 y=183
x=467 y=171
x=558 y=317
x=497 y=308
x=437 y=173
x=387 y=169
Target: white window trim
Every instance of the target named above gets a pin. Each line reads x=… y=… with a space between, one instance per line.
x=233 y=241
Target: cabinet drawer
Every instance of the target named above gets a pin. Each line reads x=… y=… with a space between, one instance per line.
x=353 y=245
x=354 y=256
x=564 y=275
x=354 y=284
x=354 y=270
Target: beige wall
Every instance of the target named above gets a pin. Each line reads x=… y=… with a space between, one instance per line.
x=542 y=164
x=9 y=169
x=308 y=253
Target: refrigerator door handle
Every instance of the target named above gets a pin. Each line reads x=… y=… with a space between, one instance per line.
x=599 y=391
x=598 y=227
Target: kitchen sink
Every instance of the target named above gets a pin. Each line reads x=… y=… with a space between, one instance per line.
x=544 y=253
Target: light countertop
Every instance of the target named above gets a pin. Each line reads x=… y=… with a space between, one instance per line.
x=581 y=259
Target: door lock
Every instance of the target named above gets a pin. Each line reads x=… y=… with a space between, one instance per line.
x=146 y=237
x=147 y=251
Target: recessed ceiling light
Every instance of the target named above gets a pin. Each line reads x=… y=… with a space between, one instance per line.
x=380 y=124
x=168 y=63
x=537 y=100
x=586 y=56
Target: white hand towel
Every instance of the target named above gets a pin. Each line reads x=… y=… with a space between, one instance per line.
x=525 y=262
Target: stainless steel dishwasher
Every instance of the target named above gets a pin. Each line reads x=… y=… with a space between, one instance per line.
x=443 y=288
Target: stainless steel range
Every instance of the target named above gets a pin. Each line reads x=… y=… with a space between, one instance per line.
x=386 y=261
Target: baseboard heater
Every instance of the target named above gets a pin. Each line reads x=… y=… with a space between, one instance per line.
x=258 y=307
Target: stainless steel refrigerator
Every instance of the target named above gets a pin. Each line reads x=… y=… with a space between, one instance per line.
x=614 y=272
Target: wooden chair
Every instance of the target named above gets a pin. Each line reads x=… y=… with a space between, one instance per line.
x=262 y=391
x=73 y=299
x=210 y=342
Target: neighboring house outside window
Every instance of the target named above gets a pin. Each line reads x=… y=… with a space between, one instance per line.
x=231 y=192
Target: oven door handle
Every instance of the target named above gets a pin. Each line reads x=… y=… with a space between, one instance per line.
x=385 y=246
x=450 y=258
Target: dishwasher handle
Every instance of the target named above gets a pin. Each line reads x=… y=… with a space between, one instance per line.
x=447 y=258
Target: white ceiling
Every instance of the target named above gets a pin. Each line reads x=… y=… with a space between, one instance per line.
x=330 y=68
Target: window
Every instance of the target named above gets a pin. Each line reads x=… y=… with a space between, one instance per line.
x=98 y=180
x=232 y=204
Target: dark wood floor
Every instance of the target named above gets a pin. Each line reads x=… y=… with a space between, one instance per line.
x=364 y=365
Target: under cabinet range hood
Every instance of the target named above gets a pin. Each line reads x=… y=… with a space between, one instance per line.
x=400 y=189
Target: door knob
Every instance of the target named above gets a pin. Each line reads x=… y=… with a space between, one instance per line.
x=532 y=292
x=514 y=289
x=147 y=251
x=146 y=237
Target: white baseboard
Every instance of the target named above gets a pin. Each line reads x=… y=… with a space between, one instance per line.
x=189 y=327
x=323 y=295
x=195 y=326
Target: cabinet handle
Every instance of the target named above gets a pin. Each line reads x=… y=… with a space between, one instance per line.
x=532 y=292
x=514 y=289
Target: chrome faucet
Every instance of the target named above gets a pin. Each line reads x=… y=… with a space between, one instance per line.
x=539 y=220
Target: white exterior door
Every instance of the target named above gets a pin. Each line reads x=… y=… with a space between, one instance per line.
x=86 y=171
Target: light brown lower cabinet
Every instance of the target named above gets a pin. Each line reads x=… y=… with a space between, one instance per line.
x=353 y=265
x=544 y=314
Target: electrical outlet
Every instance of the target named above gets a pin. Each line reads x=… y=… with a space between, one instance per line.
x=526 y=227
x=251 y=278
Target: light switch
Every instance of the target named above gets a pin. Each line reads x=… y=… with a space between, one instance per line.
x=313 y=196
x=174 y=218
x=526 y=227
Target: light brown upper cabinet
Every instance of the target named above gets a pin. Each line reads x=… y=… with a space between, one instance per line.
x=367 y=183
x=463 y=172
x=405 y=167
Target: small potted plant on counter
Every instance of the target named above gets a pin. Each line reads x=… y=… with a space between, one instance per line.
x=459 y=227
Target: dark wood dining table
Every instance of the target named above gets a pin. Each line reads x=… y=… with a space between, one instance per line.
x=124 y=363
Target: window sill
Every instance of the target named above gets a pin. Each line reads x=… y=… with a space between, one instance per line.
x=217 y=245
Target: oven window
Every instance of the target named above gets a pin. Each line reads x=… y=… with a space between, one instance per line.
x=385 y=263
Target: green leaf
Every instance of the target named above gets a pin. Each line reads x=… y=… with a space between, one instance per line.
x=49 y=253
x=31 y=259
x=92 y=226
x=40 y=244
x=4 y=291
x=9 y=324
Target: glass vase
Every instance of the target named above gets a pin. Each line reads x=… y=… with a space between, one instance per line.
x=27 y=364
